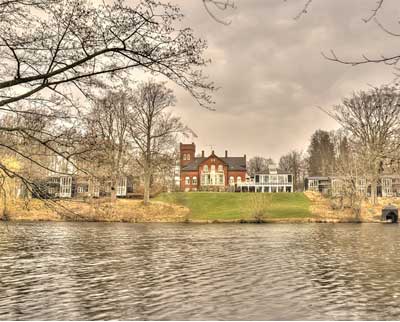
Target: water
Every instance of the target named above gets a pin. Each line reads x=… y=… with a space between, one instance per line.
x=88 y=271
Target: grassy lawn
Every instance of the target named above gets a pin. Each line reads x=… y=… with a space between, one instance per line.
x=228 y=205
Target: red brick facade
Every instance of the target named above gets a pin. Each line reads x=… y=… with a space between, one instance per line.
x=211 y=173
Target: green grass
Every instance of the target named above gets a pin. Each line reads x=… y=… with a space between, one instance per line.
x=234 y=206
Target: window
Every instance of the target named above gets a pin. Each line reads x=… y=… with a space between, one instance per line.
x=239 y=179
x=121 y=186
x=188 y=157
x=82 y=189
x=213 y=168
x=231 y=181
x=313 y=184
x=66 y=187
x=205 y=168
x=194 y=180
x=220 y=168
x=187 y=181
x=184 y=156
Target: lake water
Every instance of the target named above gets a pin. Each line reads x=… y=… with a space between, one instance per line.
x=87 y=271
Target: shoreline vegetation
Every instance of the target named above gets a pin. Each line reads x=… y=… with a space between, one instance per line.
x=198 y=207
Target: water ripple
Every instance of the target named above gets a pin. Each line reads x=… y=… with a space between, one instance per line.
x=95 y=271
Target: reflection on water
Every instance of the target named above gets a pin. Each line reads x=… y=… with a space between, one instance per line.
x=89 y=271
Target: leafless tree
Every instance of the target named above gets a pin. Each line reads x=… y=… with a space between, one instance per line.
x=108 y=124
x=153 y=129
x=293 y=162
x=372 y=119
x=73 y=42
x=52 y=51
x=258 y=164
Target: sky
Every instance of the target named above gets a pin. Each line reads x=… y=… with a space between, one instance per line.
x=272 y=76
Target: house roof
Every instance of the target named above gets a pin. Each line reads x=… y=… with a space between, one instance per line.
x=233 y=163
x=194 y=165
x=278 y=171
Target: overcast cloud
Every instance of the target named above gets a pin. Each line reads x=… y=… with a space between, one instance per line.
x=272 y=74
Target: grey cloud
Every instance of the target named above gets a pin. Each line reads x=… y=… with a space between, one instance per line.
x=272 y=74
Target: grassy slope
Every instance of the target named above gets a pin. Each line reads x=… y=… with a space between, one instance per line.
x=225 y=206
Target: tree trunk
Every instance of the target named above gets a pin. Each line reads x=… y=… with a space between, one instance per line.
x=146 y=196
x=5 y=209
x=113 y=189
x=146 y=193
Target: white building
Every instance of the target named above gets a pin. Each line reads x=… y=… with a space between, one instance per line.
x=273 y=180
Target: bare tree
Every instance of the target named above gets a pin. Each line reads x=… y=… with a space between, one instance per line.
x=153 y=129
x=258 y=164
x=73 y=42
x=373 y=120
x=52 y=51
x=293 y=163
x=108 y=124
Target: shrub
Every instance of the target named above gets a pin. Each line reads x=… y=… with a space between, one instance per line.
x=260 y=203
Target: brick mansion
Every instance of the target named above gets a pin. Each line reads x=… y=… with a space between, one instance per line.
x=226 y=173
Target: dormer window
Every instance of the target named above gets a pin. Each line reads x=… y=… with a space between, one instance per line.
x=184 y=156
x=188 y=157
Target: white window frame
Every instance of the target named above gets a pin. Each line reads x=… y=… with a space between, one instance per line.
x=66 y=187
x=122 y=185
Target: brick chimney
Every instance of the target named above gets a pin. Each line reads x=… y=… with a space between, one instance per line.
x=226 y=153
x=202 y=153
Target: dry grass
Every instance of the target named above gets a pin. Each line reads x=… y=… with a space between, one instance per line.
x=124 y=210
x=322 y=208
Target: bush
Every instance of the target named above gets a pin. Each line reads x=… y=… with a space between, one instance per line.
x=260 y=203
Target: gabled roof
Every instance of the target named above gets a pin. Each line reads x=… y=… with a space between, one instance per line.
x=233 y=163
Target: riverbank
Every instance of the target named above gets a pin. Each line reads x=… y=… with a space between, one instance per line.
x=199 y=207
x=102 y=210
